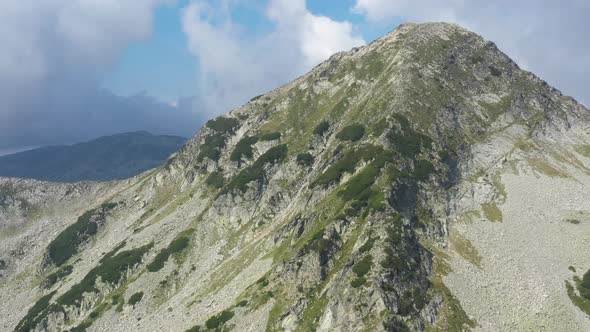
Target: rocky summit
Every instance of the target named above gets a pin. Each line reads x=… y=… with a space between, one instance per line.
x=421 y=183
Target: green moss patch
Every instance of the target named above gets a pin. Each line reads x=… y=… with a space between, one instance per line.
x=56 y=276
x=219 y=320
x=135 y=298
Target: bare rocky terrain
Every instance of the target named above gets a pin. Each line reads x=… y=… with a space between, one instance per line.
x=421 y=183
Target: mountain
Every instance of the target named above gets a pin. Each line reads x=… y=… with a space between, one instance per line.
x=421 y=183
x=106 y=158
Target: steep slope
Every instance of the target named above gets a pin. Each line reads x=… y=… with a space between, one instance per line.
x=405 y=185
x=106 y=158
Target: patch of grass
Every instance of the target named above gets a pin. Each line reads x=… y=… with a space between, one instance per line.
x=135 y=298
x=465 y=249
x=351 y=133
x=492 y=212
x=321 y=128
x=363 y=266
x=544 y=167
x=305 y=159
x=270 y=136
x=219 y=320
x=67 y=243
x=176 y=246
x=223 y=125
x=56 y=276
x=256 y=171
x=580 y=301
x=243 y=148
x=215 y=180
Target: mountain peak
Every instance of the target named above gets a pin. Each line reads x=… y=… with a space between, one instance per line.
x=391 y=188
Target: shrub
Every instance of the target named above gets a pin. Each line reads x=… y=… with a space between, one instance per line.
x=367 y=246
x=220 y=319
x=176 y=246
x=359 y=186
x=31 y=319
x=363 y=266
x=223 y=125
x=196 y=328
x=243 y=148
x=135 y=298
x=242 y=303
x=380 y=127
x=215 y=180
x=56 y=276
x=347 y=164
x=66 y=244
x=358 y=282
x=256 y=171
x=112 y=270
x=321 y=128
x=270 y=136
x=351 y=133
x=495 y=71
x=422 y=169
x=305 y=159
x=211 y=148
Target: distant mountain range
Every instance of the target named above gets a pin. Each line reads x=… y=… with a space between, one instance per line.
x=106 y=158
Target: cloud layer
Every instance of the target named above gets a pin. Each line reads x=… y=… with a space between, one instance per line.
x=53 y=53
x=236 y=66
x=547 y=37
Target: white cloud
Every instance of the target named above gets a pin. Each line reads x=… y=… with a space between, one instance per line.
x=547 y=37
x=235 y=66
x=53 y=53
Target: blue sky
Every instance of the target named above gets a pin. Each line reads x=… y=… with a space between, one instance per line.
x=163 y=67
x=73 y=70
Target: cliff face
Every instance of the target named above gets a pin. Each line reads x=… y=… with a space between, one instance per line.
x=423 y=182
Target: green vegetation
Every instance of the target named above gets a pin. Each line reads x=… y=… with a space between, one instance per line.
x=379 y=127
x=112 y=270
x=270 y=136
x=34 y=315
x=347 y=164
x=218 y=320
x=135 y=298
x=495 y=71
x=305 y=159
x=358 y=282
x=176 y=246
x=255 y=171
x=422 y=169
x=56 y=276
x=66 y=244
x=584 y=286
x=492 y=212
x=367 y=246
x=363 y=266
x=321 y=128
x=223 y=125
x=351 y=133
x=243 y=148
x=582 y=300
x=572 y=221
x=215 y=180
x=212 y=147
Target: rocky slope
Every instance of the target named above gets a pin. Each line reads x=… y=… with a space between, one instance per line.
x=421 y=183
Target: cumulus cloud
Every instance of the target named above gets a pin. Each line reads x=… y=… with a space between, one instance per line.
x=53 y=53
x=235 y=66
x=547 y=37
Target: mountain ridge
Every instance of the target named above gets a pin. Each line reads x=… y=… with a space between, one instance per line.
x=112 y=157
x=387 y=189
